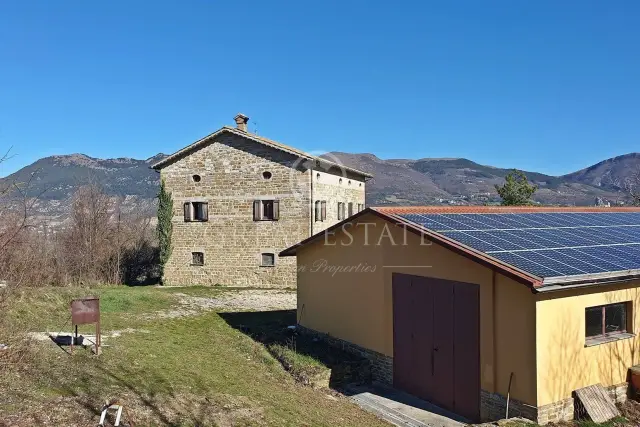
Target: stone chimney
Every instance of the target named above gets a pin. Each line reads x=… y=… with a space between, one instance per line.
x=241 y=122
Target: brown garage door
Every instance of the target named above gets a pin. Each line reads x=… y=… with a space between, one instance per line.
x=436 y=342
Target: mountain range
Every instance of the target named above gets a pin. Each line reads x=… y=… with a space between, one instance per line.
x=396 y=181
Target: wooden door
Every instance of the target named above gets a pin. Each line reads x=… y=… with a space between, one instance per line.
x=436 y=342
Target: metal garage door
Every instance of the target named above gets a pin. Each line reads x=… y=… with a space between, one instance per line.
x=436 y=342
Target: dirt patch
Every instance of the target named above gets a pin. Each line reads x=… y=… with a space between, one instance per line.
x=251 y=300
x=178 y=409
x=47 y=336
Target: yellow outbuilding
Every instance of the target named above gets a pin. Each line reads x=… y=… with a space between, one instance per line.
x=464 y=306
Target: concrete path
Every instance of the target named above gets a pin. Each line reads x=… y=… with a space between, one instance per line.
x=402 y=409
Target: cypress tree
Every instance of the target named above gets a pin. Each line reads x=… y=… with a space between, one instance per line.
x=165 y=227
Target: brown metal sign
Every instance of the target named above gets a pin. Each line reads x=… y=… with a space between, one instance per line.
x=85 y=310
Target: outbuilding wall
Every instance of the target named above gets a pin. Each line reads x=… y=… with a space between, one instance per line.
x=356 y=306
x=564 y=362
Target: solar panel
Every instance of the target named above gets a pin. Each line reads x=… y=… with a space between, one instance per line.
x=546 y=244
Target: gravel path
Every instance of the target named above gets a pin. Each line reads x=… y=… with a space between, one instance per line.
x=250 y=299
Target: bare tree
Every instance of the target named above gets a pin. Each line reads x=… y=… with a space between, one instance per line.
x=632 y=187
x=105 y=243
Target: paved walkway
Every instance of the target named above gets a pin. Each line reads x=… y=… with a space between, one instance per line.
x=402 y=409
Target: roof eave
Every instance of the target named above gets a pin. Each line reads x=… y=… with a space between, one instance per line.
x=519 y=275
x=515 y=273
x=162 y=163
x=585 y=280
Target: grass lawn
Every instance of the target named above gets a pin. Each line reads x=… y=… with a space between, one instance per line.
x=184 y=371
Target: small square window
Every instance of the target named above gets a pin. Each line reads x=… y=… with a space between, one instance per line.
x=197 y=258
x=268 y=260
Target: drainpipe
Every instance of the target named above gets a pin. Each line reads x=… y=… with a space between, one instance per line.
x=311 y=203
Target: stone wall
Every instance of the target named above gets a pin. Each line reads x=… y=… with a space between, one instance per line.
x=381 y=365
x=231 y=172
x=493 y=407
x=334 y=188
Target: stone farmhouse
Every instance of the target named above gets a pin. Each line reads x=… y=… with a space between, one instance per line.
x=239 y=199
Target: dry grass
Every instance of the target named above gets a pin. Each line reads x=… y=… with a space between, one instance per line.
x=185 y=371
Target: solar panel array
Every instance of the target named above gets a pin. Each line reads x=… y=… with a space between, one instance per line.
x=549 y=244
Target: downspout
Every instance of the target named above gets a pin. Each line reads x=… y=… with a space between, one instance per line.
x=311 y=203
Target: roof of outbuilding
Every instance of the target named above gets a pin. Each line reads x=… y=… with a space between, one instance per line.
x=497 y=209
x=253 y=137
x=402 y=216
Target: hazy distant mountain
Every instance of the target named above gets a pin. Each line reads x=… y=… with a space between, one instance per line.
x=396 y=181
x=433 y=181
x=53 y=180
x=610 y=173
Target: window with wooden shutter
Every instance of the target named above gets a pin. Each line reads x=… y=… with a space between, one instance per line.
x=187 y=212
x=323 y=207
x=266 y=210
x=318 y=211
x=200 y=211
x=350 y=208
x=340 y=211
x=196 y=211
x=257 y=210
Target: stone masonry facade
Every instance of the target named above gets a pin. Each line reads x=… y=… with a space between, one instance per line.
x=229 y=174
x=381 y=365
x=493 y=407
x=335 y=189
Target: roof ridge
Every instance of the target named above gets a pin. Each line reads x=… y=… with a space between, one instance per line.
x=259 y=139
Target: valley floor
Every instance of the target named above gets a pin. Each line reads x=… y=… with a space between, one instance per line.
x=169 y=357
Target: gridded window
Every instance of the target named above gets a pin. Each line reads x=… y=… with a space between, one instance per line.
x=196 y=211
x=606 y=320
x=267 y=259
x=320 y=210
x=266 y=210
x=360 y=207
x=197 y=258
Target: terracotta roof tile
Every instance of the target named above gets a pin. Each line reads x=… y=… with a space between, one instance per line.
x=398 y=210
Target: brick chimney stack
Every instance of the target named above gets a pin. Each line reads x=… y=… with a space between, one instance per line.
x=241 y=122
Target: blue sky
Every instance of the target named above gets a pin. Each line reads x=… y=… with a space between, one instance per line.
x=550 y=86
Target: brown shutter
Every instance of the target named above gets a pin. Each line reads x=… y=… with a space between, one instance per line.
x=350 y=208
x=317 y=212
x=257 y=214
x=323 y=208
x=205 y=211
x=187 y=212
x=276 y=210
